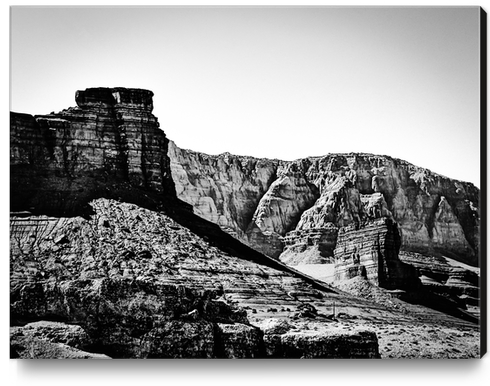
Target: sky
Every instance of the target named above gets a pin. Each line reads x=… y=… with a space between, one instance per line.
x=273 y=82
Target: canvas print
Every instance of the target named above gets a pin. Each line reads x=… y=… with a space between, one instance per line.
x=246 y=182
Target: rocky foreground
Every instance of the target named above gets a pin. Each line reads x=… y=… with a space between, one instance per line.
x=133 y=283
x=107 y=262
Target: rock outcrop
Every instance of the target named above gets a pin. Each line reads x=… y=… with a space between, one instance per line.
x=110 y=145
x=372 y=252
x=445 y=276
x=50 y=340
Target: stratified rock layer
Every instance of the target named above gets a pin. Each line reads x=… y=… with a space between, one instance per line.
x=436 y=215
x=372 y=252
x=445 y=276
x=110 y=145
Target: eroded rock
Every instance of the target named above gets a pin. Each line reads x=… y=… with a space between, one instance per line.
x=435 y=214
x=51 y=340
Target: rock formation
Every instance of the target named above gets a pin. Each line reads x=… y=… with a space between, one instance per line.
x=48 y=340
x=97 y=246
x=225 y=189
x=445 y=276
x=109 y=145
x=371 y=251
x=108 y=261
x=435 y=214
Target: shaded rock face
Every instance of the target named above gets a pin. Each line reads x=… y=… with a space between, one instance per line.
x=451 y=280
x=109 y=145
x=307 y=345
x=435 y=214
x=282 y=340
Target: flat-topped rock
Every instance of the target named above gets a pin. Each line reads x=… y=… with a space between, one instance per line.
x=110 y=97
x=111 y=145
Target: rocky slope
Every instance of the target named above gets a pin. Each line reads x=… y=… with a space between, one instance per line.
x=132 y=280
x=136 y=284
x=106 y=261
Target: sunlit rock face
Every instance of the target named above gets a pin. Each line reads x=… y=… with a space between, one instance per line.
x=434 y=214
x=357 y=212
x=225 y=189
x=280 y=208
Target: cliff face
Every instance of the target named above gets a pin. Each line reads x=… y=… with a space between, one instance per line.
x=109 y=145
x=371 y=251
x=225 y=189
x=318 y=196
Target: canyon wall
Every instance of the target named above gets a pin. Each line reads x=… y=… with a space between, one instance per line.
x=225 y=189
x=306 y=202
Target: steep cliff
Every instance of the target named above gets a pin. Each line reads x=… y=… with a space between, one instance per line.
x=372 y=252
x=110 y=145
x=436 y=215
x=225 y=189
